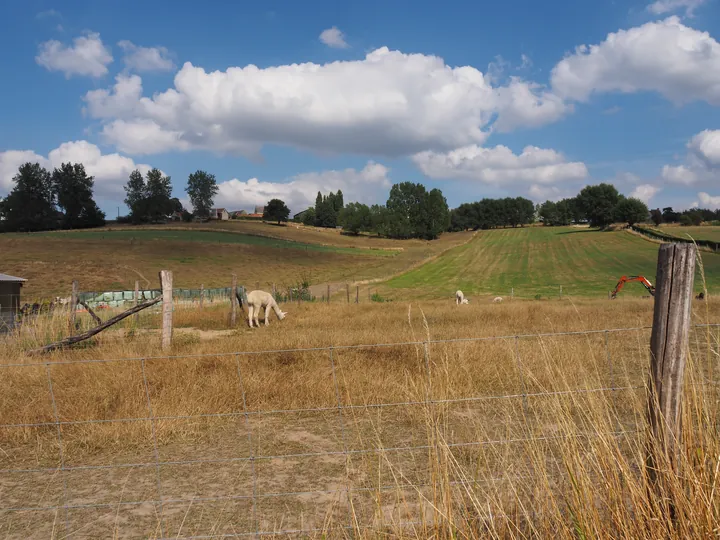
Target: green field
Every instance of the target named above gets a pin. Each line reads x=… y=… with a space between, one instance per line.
x=707 y=232
x=538 y=260
x=217 y=237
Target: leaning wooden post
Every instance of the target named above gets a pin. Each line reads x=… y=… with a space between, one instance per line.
x=347 y=287
x=166 y=283
x=136 y=297
x=668 y=351
x=73 y=305
x=233 y=301
x=202 y=294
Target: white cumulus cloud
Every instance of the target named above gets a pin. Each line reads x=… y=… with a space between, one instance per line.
x=702 y=163
x=111 y=171
x=660 y=7
x=645 y=192
x=679 y=62
x=140 y=59
x=708 y=201
x=333 y=37
x=500 y=166
x=388 y=104
x=87 y=56
x=299 y=191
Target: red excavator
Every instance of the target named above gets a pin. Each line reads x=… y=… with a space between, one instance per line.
x=625 y=279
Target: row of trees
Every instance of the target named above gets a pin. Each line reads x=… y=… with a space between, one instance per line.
x=599 y=205
x=693 y=216
x=491 y=213
x=150 y=198
x=410 y=212
x=42 y=200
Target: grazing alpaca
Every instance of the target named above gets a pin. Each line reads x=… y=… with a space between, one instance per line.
x=460 y=298
x=256 y=300
x=497 y=299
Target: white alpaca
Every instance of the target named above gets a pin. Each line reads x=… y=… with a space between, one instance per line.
x=256 y=300
x=460 y=298
x=497 y=299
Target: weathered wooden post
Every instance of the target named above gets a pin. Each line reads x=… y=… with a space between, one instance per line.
x=328 y=293
x=347 y=288
x=73 y=305
x=136 y=297
x=357 y=294
x=668 y=351
x=202 y=294
x=166 y=283
x=233 y=301
x=560 y=292
x=512 y=293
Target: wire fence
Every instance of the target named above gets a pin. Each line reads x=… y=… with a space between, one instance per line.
x=212 y=450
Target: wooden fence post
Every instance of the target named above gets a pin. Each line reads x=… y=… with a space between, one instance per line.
x=328 y=293
x=512 y=293
x=668 y=351
x=560 y=292
x=257 y=285
x=202 y=294
x=73 y=305
x=166 y=283
x=233 y=301
x=357 y=294
x=347 y=288
x=136 y=297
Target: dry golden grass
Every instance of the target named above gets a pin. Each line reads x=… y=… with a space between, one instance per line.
x=537 y=474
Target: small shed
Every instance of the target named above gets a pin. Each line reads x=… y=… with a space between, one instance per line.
x=9 y=300
x=219 y=213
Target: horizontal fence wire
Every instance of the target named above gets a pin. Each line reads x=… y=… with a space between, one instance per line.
x=159 y=501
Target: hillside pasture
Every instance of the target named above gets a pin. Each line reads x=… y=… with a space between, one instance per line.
x=113 y=259
x=538 y=260
x=704 y=232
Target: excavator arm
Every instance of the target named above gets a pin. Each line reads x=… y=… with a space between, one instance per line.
x=626 y=279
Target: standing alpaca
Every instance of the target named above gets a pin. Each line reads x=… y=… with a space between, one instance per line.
x=460 y=298
x=256 y=300
x=497 y=299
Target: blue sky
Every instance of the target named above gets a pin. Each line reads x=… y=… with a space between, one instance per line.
x=510 y=98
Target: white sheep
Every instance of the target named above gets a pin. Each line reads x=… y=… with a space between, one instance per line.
x=497 y=299
x=256 y=300
x=460 y=298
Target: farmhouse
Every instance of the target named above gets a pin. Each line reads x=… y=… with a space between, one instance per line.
x=219 y=213
x=9 y=300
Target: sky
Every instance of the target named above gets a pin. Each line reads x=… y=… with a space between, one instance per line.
x=285 y=99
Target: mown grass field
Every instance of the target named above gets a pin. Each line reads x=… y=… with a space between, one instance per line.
x=705 y=232
x=113 y=259
x=538 y=260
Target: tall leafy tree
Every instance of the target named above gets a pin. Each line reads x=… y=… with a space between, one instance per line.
x=136 y=197
x=656 y=216
x=631 y=211
x=276 y=210
x=598 y=203
x=159 y=195
x=433 y=215
x=30 y=205
x=202 y=188
x=74 y=190
x=355 y=217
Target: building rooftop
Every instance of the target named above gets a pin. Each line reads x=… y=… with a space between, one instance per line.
x=5 y=277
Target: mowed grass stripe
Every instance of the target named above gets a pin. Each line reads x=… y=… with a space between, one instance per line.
x=538 y=260
x=218 y=237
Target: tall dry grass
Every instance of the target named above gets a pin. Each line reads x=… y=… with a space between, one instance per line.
x=561 y=458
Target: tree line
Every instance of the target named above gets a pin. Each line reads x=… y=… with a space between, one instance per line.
x=63 y=199
x=42 y=200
